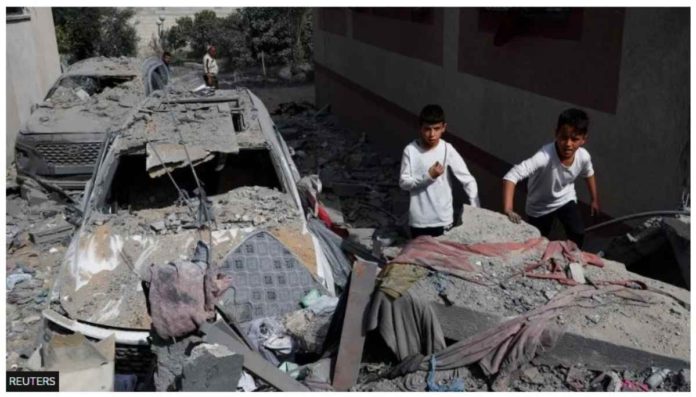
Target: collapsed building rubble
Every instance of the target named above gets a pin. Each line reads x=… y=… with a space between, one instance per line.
x=488 y=306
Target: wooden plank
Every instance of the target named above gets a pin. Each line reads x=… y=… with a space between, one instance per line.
x=350 y=349
x=220 y=333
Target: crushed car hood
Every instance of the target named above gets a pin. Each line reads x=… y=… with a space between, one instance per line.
x=101 y=279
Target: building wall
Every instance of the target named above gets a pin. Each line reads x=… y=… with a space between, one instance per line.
x=32 y=67
x=628 y=68
x=145 y=21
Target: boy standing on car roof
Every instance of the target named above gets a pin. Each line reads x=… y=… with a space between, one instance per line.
x=423 y=175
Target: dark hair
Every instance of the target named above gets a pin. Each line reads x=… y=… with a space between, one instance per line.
x=431 y=114
x=575 y=118
x=166 y=53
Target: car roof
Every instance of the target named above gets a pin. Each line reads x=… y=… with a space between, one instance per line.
x=105 y=66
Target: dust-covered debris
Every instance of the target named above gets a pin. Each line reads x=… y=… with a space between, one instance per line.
x=480 y=226
x=31 y=265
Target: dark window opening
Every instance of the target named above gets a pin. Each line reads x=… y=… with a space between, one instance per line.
x=238 y=122
x=89 y=85
x=552 y=23
x=133 y=188
x=415 y=14
x=17 y=14
x=15 y=10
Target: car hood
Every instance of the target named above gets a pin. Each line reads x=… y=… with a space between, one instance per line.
x=101 y=278
x=101 y=112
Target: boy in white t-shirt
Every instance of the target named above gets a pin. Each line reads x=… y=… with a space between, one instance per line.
x=423 y=175
x=552 y=172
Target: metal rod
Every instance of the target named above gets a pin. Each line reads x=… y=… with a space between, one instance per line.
x=637 y=215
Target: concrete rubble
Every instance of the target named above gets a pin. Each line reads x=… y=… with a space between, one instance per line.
x=297 y=334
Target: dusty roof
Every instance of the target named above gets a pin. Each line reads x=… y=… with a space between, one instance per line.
x=203 y=122
x=104 y=66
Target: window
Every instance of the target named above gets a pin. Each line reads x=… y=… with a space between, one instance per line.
x=132 y=187
x=415 y=14
x=81 y=87
x=17 y=14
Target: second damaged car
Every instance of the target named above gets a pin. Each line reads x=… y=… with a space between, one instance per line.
x=61 y=141
x=190 y=172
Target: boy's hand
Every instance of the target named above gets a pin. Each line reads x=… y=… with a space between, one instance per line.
x=513 y=216
x=436 y=170
x=594 y=208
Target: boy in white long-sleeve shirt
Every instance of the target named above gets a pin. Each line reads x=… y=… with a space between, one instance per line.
x=423 y=174
x=552 y=172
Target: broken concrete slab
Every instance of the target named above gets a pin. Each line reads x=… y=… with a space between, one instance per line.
x=53 y=231
x=635 y=330
x=212 y=367
x=82 y=365
x=163 y=157
x=350 y=349
x=33 y=195
x=460 y=322
x=220 y=333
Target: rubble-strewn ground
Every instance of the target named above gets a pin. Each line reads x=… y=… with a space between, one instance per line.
x=362 y=183
x=40 y=262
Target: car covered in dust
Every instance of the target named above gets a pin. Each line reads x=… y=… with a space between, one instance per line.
x=61 y=141
x=188 y=161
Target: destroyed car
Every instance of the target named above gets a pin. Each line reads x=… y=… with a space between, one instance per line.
x=61 y=141
x=186 y=162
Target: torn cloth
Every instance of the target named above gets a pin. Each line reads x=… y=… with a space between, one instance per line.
x=397 y=278
x=557 y=256
x=407 y=325
x=182 y=294
x=331 y=247
x=505 y=347
x=454 y=258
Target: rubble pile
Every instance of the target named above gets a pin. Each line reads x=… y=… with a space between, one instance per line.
x=488 y=306
x=359 y=183
x=77 y=105
x=32 y=262
x=242 y=207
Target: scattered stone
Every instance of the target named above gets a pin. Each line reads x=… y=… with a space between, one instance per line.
x=158 y=226
x=532 y=375
x=684 y=377
x=576 y=272
x=594 y=318
x=212 y=367
x=606 y=381
x=575 y=379
x=31 y=319
x=16 y=278
x=657 y=378
x=56 y=231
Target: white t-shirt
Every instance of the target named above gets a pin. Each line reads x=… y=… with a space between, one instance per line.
x=431 y=199
x=551 y=184
x=209 y=65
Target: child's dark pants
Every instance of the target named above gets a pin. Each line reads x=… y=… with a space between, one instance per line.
x=569 y=216
x=427 y=231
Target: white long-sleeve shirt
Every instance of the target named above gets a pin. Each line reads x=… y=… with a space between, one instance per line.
x=431 y=199
x=209 y=65
x=551 y=184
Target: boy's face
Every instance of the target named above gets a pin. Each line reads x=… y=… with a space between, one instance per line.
x=431 y=133
x=568 y=141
